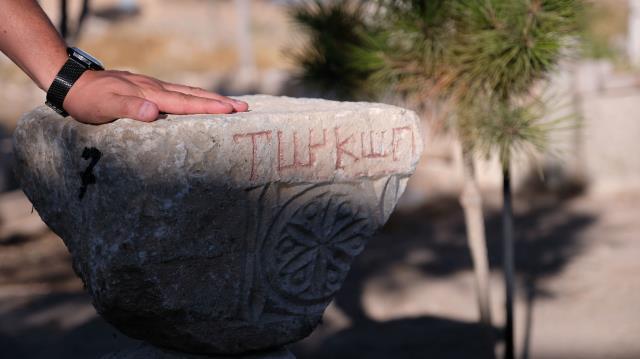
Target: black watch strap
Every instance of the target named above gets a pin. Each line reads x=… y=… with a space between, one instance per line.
x=68 y=75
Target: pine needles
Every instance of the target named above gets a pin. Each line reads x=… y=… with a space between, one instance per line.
x=486 y=51
x=481 y=57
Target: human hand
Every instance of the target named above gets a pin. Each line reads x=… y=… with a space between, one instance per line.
x=103 y=96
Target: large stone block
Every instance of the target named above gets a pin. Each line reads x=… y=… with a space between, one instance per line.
x=219 y=234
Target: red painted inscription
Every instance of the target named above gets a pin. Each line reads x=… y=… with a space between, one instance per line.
x=352 y=151
x=254 y=148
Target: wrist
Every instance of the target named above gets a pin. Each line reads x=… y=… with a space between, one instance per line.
x=76 y=64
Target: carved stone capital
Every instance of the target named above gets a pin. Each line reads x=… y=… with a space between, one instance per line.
x=219 y=234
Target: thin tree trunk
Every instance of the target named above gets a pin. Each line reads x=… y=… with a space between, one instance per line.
x=509 y=267
x=64 y=20
x=471 y=202
x=86 y=9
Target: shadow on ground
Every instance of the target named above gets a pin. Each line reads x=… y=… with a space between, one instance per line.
x=44 y=336
x=410 y=338
x=548 y=237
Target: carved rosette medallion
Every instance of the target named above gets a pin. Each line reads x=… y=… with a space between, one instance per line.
x=315 y=236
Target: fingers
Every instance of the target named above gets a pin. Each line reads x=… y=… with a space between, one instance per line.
x=136 y=108
x=103 y=96
x=238 y=106
x=116 y=106
x=179 y=103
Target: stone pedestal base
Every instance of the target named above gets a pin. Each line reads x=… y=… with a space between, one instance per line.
x=146 y=351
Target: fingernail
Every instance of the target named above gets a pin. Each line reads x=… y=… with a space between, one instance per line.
x=241 y=104
x=146 y=110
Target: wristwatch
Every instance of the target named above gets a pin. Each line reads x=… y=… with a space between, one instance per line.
x=77 y=63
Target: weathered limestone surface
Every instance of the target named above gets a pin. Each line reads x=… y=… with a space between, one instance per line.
x=219 y=234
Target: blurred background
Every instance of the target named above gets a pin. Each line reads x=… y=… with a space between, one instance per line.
x=413 y=292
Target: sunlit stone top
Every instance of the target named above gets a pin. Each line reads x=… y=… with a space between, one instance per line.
x=280 y=139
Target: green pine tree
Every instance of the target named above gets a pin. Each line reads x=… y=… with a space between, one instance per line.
x=479 y=59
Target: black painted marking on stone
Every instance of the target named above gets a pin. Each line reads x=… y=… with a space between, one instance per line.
x=87 y=177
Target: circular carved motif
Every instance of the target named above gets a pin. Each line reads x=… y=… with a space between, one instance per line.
x=310 y=249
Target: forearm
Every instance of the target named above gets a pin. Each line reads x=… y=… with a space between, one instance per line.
x=29 y=39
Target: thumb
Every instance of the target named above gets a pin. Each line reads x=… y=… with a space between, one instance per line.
x=132 y=107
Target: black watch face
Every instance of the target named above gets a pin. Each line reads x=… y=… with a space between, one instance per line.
x=86 y=58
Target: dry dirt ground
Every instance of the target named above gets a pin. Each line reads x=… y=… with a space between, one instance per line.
x=409 y=295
